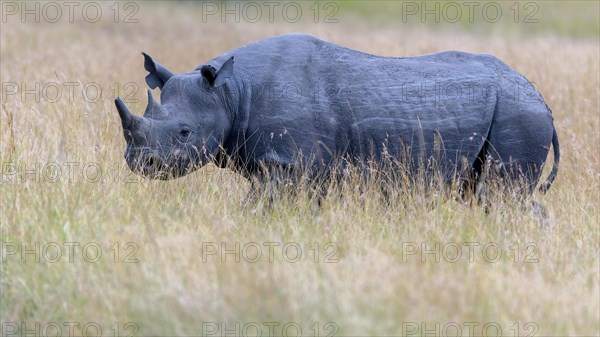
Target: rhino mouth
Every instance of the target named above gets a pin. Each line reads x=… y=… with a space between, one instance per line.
x=151 y=165
x=148 y=166
x=154 y=168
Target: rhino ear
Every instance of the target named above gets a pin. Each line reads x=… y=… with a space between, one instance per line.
x=158 y=75
x=217 y=78
x=208 y=73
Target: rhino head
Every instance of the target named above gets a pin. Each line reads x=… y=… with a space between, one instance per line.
x=186 y=129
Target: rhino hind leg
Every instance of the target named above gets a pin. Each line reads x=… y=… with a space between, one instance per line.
x=495 y=172
x=473 y=182
x=519 y=175
x=538 y=210
x=518 y=146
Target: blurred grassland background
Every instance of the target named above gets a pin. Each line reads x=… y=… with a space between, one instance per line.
x=376 y=287
x=563 y=18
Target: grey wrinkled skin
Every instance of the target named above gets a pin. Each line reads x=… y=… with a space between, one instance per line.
x=300 y=103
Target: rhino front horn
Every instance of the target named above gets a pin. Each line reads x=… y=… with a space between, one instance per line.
x=128 y=120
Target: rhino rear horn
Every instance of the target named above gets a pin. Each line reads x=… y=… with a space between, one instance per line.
x=158 y=75
x=154 y=110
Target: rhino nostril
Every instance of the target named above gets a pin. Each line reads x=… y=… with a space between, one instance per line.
x=150 y=163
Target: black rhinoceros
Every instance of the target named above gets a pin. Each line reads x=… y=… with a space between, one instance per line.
x=300 y=103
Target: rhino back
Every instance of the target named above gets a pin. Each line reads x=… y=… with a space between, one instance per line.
x=311 y=97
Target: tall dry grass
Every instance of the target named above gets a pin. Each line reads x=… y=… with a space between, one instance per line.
x=367 y=278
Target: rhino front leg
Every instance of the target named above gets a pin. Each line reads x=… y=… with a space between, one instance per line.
x=253 y=194
x=276 y=181
x=268 y=183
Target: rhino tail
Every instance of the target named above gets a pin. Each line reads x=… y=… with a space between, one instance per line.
x=546 y=185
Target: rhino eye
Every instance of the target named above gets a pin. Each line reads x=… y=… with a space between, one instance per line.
x=185 y=132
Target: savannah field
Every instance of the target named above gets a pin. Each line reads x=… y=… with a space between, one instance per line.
x=89 y=249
